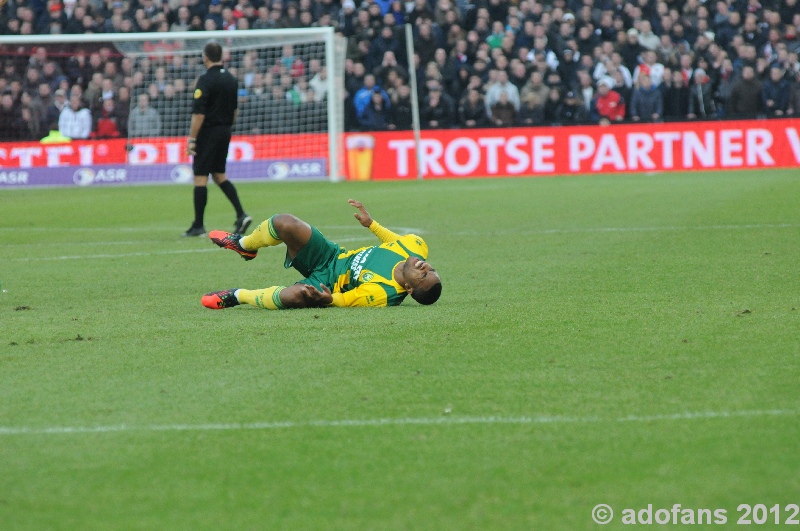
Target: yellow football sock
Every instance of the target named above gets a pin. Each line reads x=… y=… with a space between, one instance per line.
x=267 y=298
x=263 y=236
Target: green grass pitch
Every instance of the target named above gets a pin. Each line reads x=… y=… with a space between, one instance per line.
x=617 y=339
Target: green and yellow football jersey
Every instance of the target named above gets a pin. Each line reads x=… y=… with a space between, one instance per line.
x=364 y=277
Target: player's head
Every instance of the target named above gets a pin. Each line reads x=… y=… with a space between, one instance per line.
x=213 y=52
x=422 y=281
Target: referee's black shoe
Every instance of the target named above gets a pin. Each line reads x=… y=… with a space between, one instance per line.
x=194 y=231
x=241 y=224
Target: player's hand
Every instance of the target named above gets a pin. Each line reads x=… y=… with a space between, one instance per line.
x=362 y=215
x=190 y=148
x=317 y=297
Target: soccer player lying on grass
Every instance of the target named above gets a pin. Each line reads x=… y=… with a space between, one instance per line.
x=381 y=275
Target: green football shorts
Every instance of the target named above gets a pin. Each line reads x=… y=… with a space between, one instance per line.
x=316 y=261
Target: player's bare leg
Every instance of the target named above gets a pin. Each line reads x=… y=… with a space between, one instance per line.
x=294 y=232
x=280 y=228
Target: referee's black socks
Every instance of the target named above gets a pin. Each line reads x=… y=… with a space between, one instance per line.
x=230 y=192
x=200 y=200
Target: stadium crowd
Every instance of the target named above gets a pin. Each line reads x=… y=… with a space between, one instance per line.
x=480 y=63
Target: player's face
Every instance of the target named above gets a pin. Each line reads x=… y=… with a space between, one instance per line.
x=419 y=273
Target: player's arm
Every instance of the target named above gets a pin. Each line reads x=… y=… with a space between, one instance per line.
x=305 y=296
x=368 y=294
x=363 y=217
x=235 y=116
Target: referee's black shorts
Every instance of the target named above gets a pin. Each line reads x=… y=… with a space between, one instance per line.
x=211 y=150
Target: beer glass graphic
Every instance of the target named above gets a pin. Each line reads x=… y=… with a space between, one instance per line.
x=360 y=154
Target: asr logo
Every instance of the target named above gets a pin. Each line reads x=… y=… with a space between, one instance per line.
x=198 y=94
x=367 y=276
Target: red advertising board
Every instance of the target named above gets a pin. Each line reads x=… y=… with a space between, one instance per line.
x=547 y=151
x=157 y=160
x=542 y=151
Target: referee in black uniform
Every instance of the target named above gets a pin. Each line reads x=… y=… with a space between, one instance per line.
x=214 y=111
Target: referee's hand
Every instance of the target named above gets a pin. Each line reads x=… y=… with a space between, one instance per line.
x=190 y=145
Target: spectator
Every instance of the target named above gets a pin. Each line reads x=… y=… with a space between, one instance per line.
x=647 y=103
x=531 y=112
x=701 y=97
x=472 y=110
x=143 y=121
x=42 y=101
x=183 y=21
x=386 y=41
x=174 y=111
x=504 y=114
x=400 y=110
x=502 y=85
x=667 y=52
x=364 y=94
x=552 y=105
x=745 y=100
x=611 y=63
x=573 y=111
x=55 y=107
x=458 y=89
x=437 y=111
x=676 y=98
x=647 y=38
x=10 y=119
x=388 y=66
x=585 y=89
x=568 y=68
x=495 y=38
x=776 y=93
x=91 y=96
x=106 y=125
x=425 y=43
x=319 y=83
x=52 y=74
x=625 y=92
x=354 y=77
x=726 y=77
x=31 y=119
x=75 y=121
x=608 y=106
x=299 y=93
x=122 y=108
x=631 y=49
x=54 y=136
x=651 y=67
x=375 y=116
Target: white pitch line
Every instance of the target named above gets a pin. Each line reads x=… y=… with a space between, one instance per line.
x=101 y=256
x=74 y=244
x=580 y=230
x=423 y=421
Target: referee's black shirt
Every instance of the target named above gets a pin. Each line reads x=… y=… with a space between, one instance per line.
x=216 y=97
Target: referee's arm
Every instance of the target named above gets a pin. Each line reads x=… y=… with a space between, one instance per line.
x=197 y=123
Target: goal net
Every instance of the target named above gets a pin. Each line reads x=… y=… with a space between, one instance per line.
x=290 y=104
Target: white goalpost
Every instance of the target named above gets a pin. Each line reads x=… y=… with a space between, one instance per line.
x=291 y=91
